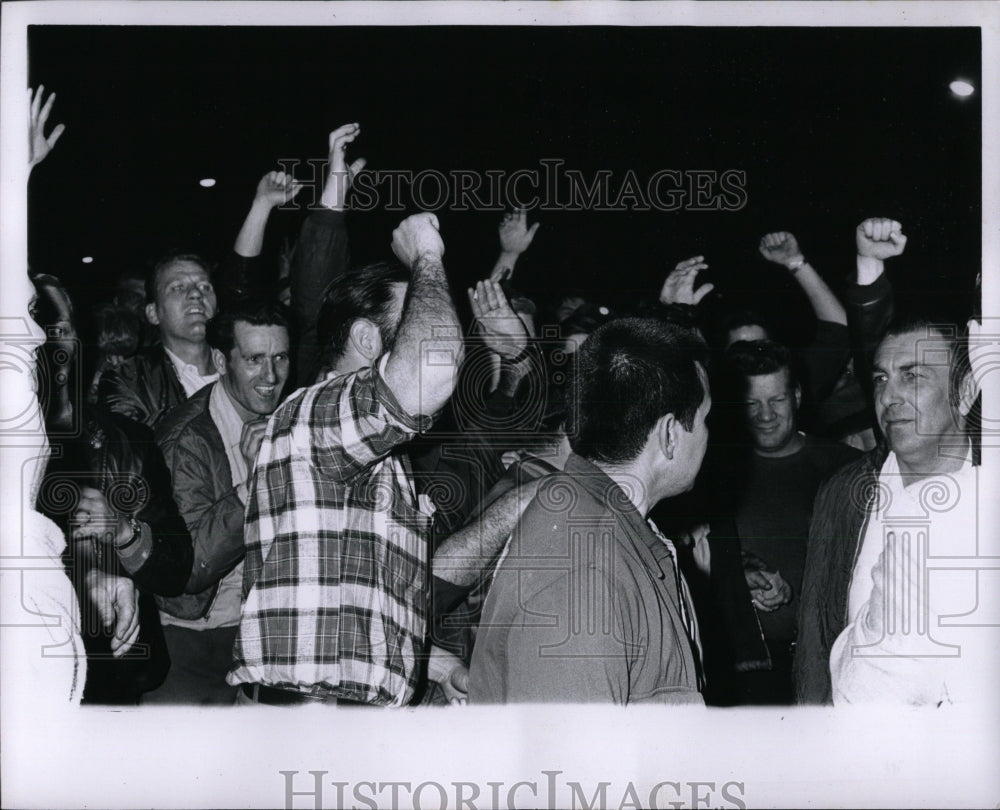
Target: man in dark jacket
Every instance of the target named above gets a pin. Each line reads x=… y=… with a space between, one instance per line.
x=210 y=442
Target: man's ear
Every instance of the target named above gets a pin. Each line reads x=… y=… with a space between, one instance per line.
x=666 y=434
x=967 y=393
x=151 y=315
x=219 y=361
x=366 y=338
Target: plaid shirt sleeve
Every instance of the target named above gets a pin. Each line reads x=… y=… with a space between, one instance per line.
x=354 y=421
x=335 y=572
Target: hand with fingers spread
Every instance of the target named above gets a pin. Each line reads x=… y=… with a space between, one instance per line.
x=679 y=285
x=340 y=176
x=39 y=145
x=515 y=238
x=781 y=248
x=880 y=238
x=503 y=332
x=115 y=599
x=277 y=188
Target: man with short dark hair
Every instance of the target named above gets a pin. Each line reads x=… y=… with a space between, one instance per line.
x=774 y=492
x=210 y=442
x=589 y=604
x=877 y=623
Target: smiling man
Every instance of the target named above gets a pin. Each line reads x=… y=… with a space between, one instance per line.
x=775 y=494
x=210 y=443
x=875 y=613
x=180 y=302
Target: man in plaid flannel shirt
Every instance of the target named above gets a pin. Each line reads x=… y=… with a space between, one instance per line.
x=335 y=577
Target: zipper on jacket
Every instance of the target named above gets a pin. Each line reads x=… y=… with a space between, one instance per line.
x=857 y=551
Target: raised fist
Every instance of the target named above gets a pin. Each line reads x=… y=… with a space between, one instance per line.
x=417 y=236
x=781 y=248
x=880 y=238
x=277 y=188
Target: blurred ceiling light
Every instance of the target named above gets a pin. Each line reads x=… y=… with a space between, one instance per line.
x=206 y=182
x=87 y=260
x=962 y=88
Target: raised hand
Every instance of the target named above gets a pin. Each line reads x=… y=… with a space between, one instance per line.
x=679 y=285
x=503 y=332
x=880 y=238
x=515 y=235
x=781 y=248
x=416 y=236
x=39 y=146
x=115 y=598
x=340 y=175
x=277 y=188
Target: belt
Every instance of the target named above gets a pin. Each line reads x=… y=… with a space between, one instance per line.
x=272 y=696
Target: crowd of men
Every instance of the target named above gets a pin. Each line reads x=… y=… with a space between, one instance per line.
x=317 y=485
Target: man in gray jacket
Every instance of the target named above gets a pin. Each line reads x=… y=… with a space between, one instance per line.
x=209 y=443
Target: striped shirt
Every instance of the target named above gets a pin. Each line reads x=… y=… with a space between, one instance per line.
x=334 y=581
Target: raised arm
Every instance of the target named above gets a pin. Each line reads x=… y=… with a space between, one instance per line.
x=870 y=299
x=515 y=238
x=322 y=253
x=782 y=248
x=39 y=145
x=274 y=189
x=423 y=364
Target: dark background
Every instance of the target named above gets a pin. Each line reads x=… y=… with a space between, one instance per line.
x=830 y=125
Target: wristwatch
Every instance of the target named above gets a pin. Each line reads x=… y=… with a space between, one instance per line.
x=136 y=527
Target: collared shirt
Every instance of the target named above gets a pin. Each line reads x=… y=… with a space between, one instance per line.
x=913 y=636
x=585 y=607
x=191 y=379
x=335 y=575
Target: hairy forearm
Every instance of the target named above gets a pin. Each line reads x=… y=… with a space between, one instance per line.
x=464 y=555
x=821 y=297
x=250 y=240
x=424 y=362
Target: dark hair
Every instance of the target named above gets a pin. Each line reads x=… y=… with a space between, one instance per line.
x=118 y=330
x=585 y=319
x=164 y=262
x=951 y=334
x=753 y=358
x=362 y=293
x=743 y=317
x=629 y=374
x=253 y=311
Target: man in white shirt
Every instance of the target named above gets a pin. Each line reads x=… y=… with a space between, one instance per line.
x=895 y=541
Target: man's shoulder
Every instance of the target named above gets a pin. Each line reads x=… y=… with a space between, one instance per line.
x=828 y=455
x=191 y=414
x=847 y=484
